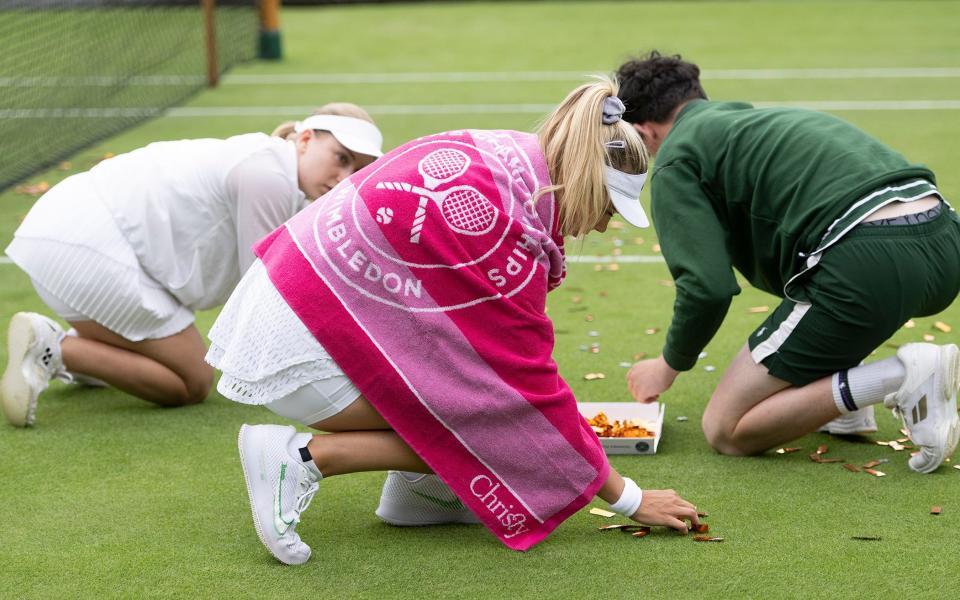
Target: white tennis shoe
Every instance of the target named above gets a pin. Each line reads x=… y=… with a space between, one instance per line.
x=280 y=489
x=927 y=402
x=856 y=422
x=416 y=499
x=33 y=360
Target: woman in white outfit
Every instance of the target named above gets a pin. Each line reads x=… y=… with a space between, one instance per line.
x=127 y=251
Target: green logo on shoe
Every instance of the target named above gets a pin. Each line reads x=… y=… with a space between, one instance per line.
x=278 y=523
x=454 y=504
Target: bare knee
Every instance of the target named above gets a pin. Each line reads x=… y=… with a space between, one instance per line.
x=722 y=438
x=196 y=386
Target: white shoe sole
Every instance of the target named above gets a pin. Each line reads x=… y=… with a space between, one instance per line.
x=949 y=431
x=247 y=474
x=19 y=402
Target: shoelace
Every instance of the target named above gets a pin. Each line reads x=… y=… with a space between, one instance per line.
x=303 y=501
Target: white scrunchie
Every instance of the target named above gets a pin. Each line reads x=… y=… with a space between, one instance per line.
x=630 y=499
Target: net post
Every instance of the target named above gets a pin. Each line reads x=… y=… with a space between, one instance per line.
x=270 y=46
x=210 y=36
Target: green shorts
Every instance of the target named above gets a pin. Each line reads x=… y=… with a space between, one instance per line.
x=864 y=288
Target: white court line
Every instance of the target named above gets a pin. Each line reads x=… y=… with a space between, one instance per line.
x=629 y=259
x=430 y=109
x=469 y=77
x=520 y=76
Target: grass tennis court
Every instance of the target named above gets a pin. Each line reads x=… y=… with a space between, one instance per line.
x=108 y=496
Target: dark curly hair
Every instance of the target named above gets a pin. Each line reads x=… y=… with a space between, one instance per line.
x=651 y=87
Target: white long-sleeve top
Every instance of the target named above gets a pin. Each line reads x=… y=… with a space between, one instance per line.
x=191 y=209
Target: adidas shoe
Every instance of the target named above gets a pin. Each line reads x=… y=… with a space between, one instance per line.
x=413 y=499
x=33 y=360
x=280 y=489
x=856 y=422
x=927 y=402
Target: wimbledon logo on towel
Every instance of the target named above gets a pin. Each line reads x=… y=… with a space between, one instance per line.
x=454 y=206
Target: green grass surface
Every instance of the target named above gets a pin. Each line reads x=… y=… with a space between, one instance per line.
x=109 y=496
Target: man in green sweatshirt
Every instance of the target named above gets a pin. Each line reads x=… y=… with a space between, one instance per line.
x=853 y=238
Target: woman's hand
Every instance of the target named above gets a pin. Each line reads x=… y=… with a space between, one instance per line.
x=665 y=507
x=647 y=379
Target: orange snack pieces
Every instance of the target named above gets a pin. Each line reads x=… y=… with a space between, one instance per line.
x=628 y=428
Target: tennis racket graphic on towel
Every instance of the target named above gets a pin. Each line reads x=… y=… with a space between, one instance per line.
x=440 y=166
x=464 y=208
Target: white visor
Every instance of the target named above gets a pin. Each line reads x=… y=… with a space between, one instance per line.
x=624 y=192
x=356 y=135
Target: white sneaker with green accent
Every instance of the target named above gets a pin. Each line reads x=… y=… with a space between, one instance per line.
x=856 y=422
x=280 y=489
x=927 y=402
x=415 y=499
x=33 y=360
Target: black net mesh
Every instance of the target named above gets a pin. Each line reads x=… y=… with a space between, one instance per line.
x=75 y=71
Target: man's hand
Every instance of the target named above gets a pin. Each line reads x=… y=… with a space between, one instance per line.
x=647 y=379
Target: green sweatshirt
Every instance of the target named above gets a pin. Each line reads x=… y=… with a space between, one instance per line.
x=756 y=190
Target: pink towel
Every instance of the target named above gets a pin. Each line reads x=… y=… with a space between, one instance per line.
x=425 y=277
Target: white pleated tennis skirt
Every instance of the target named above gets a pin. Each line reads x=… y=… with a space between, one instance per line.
x=84 y=269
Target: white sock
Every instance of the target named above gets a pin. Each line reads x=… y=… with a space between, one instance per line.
x=297 y=449
x=862 y=386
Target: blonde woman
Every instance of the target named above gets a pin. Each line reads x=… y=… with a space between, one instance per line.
x=127 y=251
x=404 y=313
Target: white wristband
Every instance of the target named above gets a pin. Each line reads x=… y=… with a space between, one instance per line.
x=630 y=499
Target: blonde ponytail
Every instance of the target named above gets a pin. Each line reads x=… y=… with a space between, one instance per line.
x=341 y=109
x=577 y=146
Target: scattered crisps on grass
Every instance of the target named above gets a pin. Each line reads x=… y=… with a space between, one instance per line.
x=940 y=325
x=909 y=324
x=822 y=449
x=597 y=267
x=602 y=513
x=787 y=450
x=707 y=538
x=936 y=510
x=655 y=248
x=928 y=337
x=651 y=330
x=616 y=252
x=638 y=241
x=956 y=466
x=616 y=224
x=613 y=267
x=639 y=356
x=682 y=419
x=641 y=533
x=709 y=368
x=700 y=528
x=851 y=468
x=588 y=318
x=592 y=376
x=875 y=472
x=758 y=309
x=35 y=189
